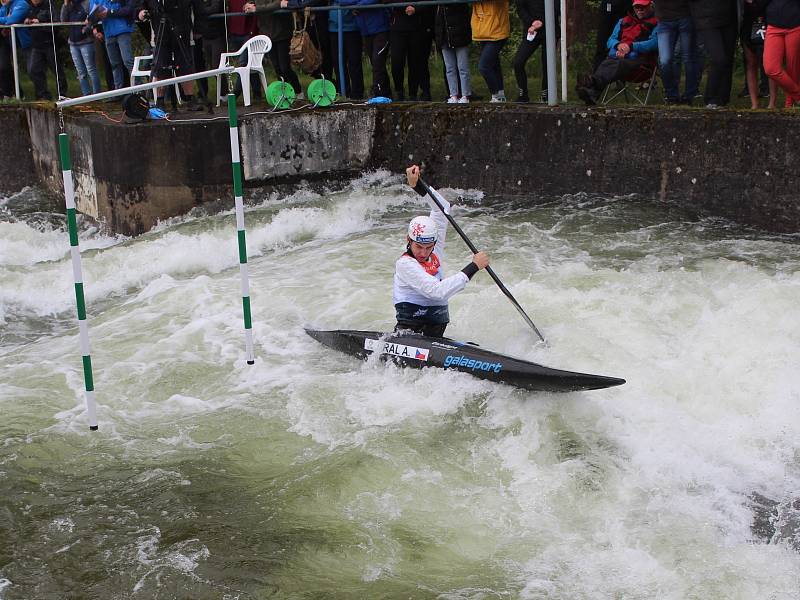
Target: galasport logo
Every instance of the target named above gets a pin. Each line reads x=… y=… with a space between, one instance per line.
x=396 y=349
x=418 y=229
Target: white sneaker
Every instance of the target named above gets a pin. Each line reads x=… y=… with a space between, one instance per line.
x=463 y=100
x=498 y=98
x=300 y=96
x=452 y=100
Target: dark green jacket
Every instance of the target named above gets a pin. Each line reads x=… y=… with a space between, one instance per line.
x=279 y=27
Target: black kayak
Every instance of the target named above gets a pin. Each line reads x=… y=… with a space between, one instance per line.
x=415 y=350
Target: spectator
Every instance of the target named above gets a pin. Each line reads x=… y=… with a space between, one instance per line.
x=752 y=36
x=632 y=46
x=353 y=84
x=410 y=43
x=172 y=54
x=81 y=45
x=611 y=11
x=279 y=27
x=531 y=14
x=12 y=12
x=241 y=29
x=44 y=42
x=209 y=39
x=374 y=27
x=317 y=28
x=490 y=28
x=675 y=23
x=716 y=24
x=783 y=43
x=453 y=36
x=117 y=18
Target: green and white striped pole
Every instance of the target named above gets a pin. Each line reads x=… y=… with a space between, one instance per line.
x=77 y=272
x=237 y=192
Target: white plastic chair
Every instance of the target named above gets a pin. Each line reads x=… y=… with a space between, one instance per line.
x=256 y=47
x=139 y=71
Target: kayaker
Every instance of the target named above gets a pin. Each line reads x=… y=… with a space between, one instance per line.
x=420 y=291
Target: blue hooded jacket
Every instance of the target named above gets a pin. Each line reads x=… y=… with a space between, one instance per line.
x=370 y=21
x=120 y=17
x=14 y=13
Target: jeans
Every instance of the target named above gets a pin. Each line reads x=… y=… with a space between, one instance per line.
x=668 y=33
x=120 y=53
x=489 y=64
x=456 y=64
x=83 y=57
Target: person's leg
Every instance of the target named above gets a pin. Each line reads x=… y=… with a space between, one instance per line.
x=489 y=66
x=792 y=49
x=524 y=52
x=378 y=55
x=421 y=52
x=462 y=59
x=37 y=65
x=89 y=60
x=399 y=53
x=6 y=69
x=774 y=53
x=353 y=51
x=451 y=71
x=751 y=75
x=729 y=38
x=62 y=83
x=126 y=51
x=689 y=58
x=80 y=68
x=667 y=32
x=715 y=49
x=115 y=58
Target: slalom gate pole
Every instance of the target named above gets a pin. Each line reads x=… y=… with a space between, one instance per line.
x=77 y=272
x=236 y=166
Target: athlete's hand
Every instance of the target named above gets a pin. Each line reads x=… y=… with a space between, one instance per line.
x=481 y=260
x=412 y=175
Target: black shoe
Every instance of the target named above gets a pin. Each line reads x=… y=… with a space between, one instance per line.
x=688 y=101
x=522 y=97
x=672 y=101
x=425 y=97
x=588 y=95
x=193 y=105
x=744 y=93
x=543 y=96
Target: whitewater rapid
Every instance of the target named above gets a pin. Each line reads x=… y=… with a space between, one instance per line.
x=313 y=474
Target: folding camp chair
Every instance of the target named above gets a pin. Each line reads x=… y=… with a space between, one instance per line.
x=637 y=88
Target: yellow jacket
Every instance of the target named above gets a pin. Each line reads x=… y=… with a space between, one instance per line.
x=490 y=21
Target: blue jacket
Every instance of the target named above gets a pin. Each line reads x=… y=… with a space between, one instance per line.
x=348 y=21
x=372 y=20
x=120 y=18
x=16 y=12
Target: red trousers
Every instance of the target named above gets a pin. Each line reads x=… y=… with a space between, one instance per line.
x=779 y=45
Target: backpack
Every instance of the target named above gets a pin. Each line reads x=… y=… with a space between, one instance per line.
x=136 y=106
x=302 y=51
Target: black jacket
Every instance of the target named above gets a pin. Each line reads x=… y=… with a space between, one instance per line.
x=177 y=13
x=421 y=19
x=453 y=29
x=781 y=13
x=533 y=10
x=710 y=14
x=40 y=36
x=672 y=10
x=210 y=29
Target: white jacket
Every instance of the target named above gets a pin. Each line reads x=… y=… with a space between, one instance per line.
x=413 y=284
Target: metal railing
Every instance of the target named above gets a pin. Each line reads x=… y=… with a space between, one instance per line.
x=550 y=36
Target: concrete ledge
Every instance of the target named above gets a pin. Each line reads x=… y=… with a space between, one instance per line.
x=739 y=165
x=18 y=169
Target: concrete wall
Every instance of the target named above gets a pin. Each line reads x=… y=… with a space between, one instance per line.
x=16 y=148
x=740 y=165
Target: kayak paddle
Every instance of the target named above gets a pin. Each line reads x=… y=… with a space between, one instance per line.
x=489 y=270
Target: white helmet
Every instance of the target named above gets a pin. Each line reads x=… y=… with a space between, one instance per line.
x=422 y=230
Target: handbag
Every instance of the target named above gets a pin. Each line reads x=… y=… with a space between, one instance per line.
x=302 y=51
x=758 y=32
